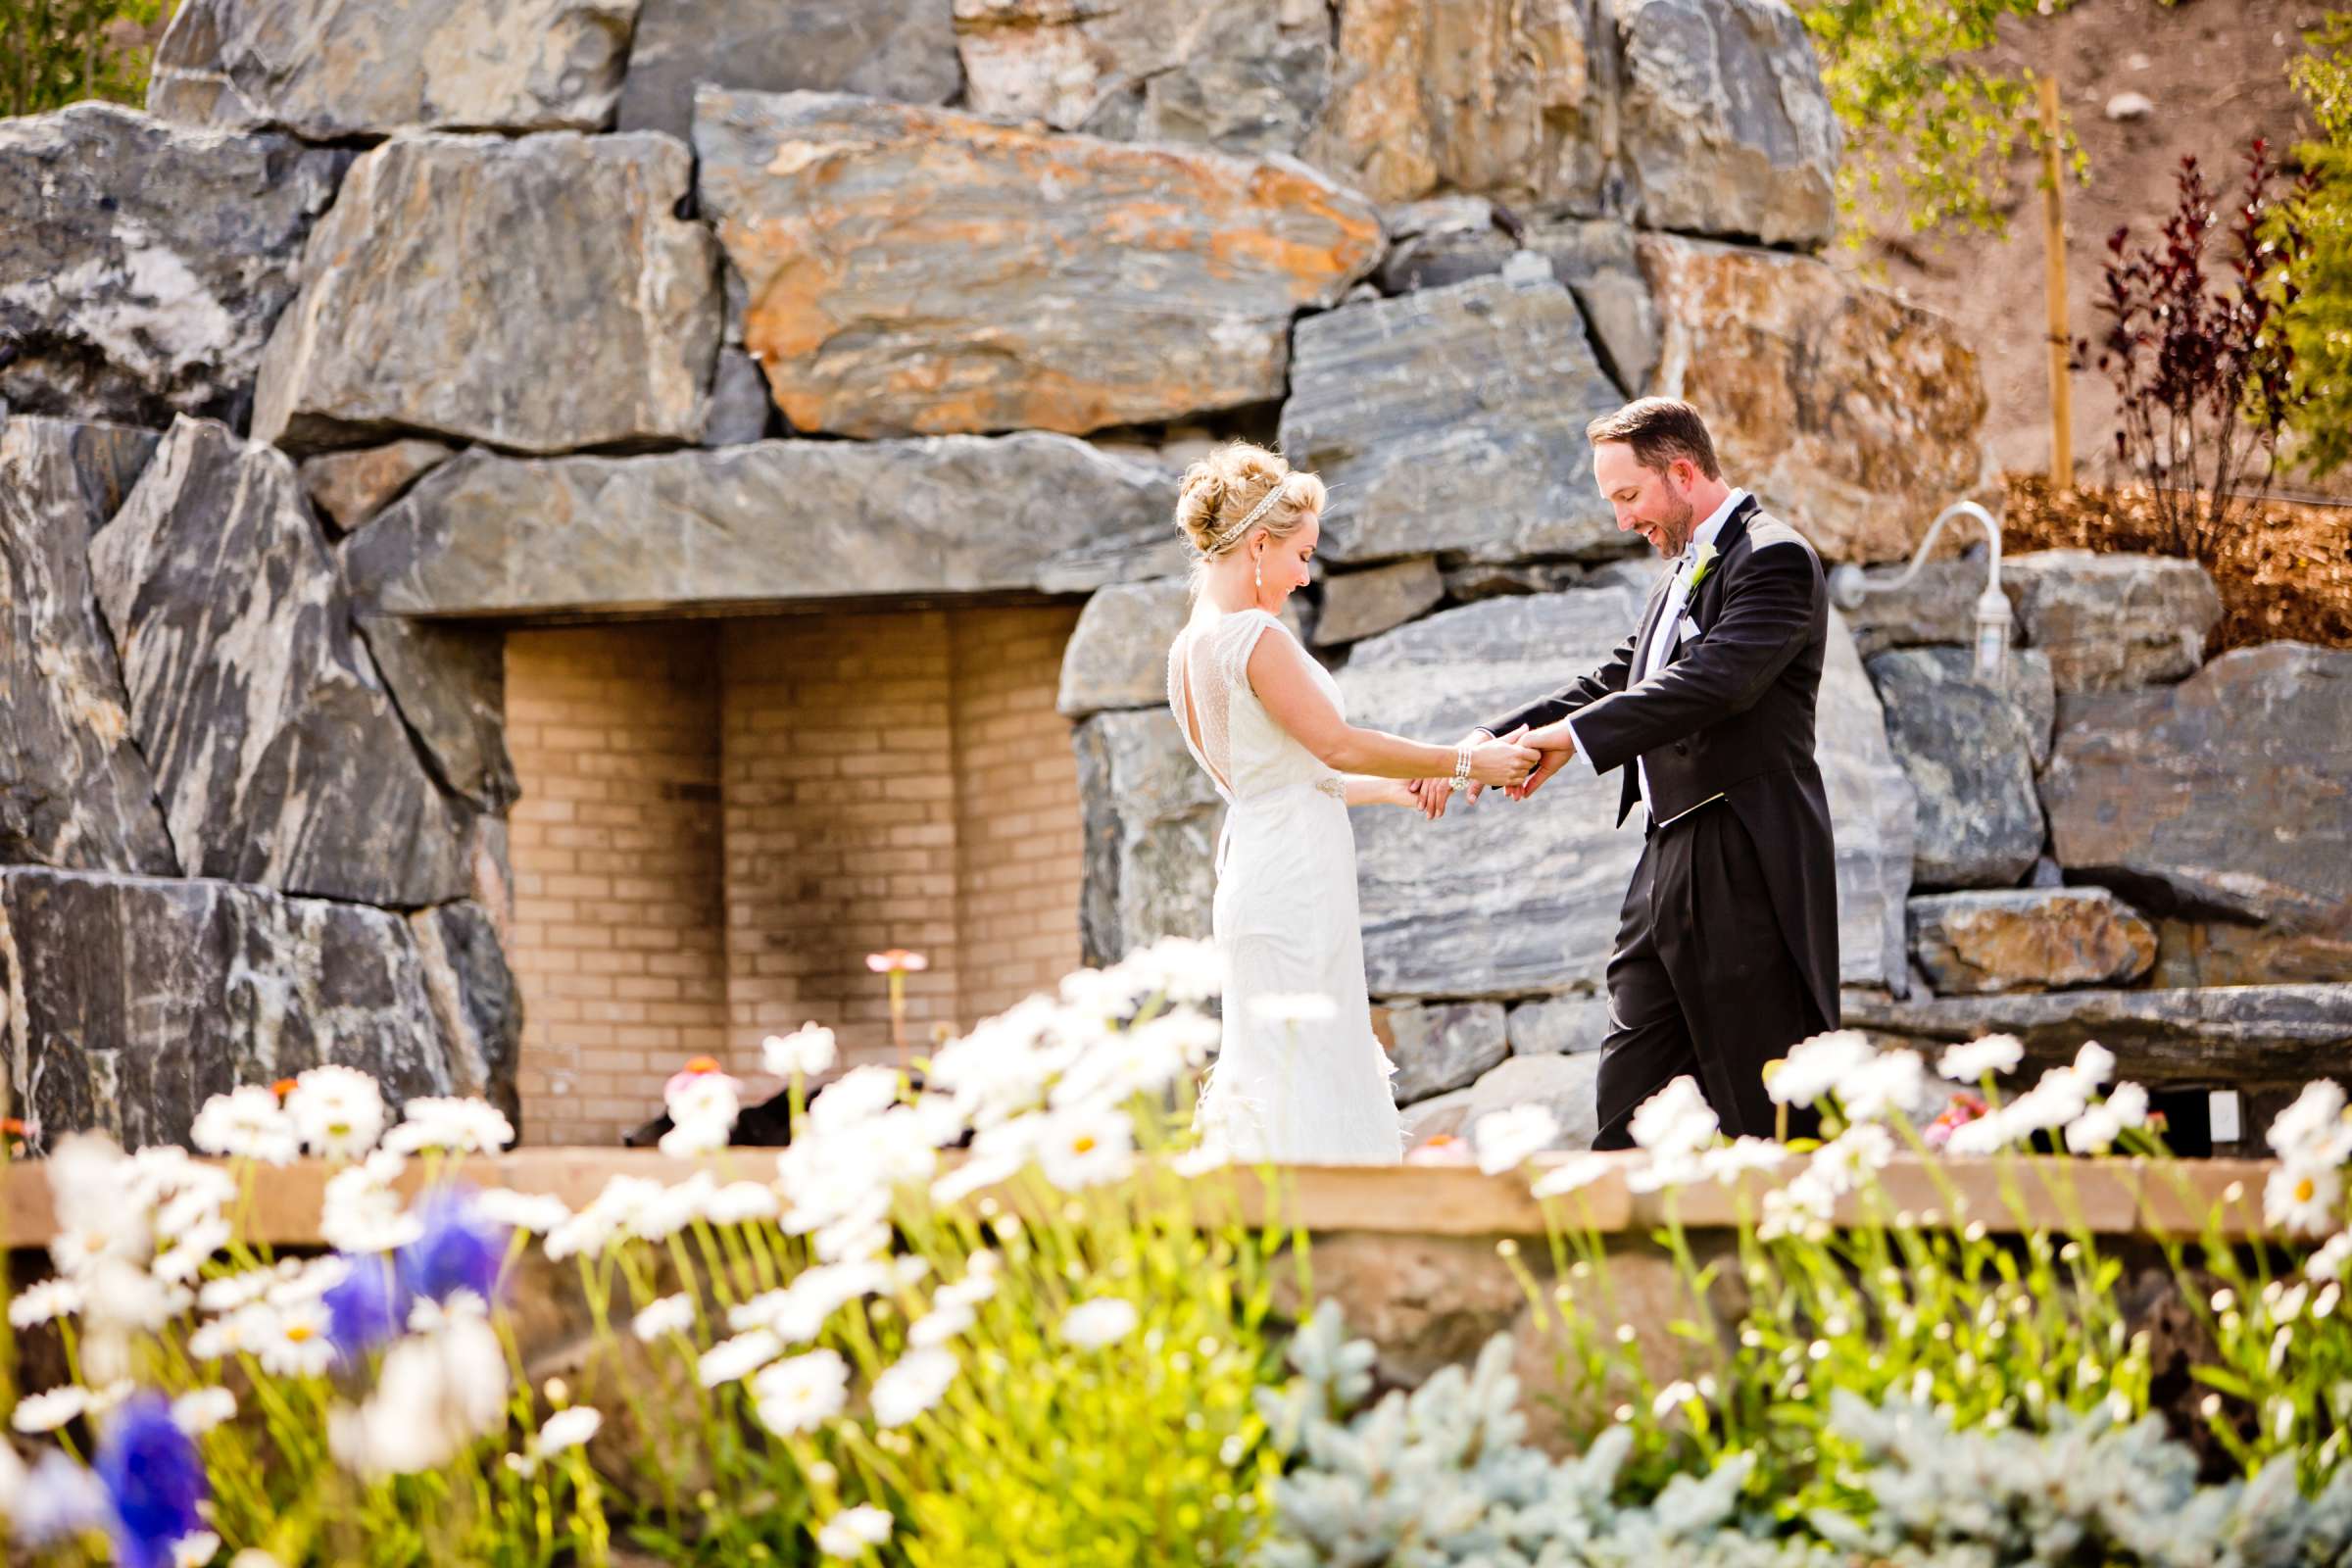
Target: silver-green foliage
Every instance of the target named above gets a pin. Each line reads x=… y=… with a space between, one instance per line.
x=1442 y=1477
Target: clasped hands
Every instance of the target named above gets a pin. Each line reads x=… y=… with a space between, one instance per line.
x=1547 y=749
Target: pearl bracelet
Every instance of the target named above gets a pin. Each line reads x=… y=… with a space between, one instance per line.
x=1461 y=767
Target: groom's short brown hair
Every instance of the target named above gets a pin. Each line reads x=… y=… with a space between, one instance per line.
x=1659 y=430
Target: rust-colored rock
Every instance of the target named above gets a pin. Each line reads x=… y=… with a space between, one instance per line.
x=2028 y=938
x=1853 y=416
x=913 y=271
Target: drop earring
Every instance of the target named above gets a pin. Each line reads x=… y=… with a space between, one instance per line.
x=1260 y=571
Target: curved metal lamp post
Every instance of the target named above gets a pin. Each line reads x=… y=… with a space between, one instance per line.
x=1848 y=584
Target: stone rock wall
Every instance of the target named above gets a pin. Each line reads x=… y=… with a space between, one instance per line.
x=599 y=308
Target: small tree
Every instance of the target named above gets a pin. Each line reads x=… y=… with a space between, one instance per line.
x=2318 y=325
x=57 y=52
x=2203 y=374
x=1926 y=121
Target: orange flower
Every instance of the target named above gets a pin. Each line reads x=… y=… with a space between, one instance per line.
x=282 y=1088
x=700 y=1064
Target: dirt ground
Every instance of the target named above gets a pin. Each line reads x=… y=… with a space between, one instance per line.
x=2216 y=71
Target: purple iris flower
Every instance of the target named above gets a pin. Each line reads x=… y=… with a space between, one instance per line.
x=460 y=1250
x=155 y=1477
x=367 y=1308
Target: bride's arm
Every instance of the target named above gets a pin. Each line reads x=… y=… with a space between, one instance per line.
x=1363 y=790
x=1278 y=675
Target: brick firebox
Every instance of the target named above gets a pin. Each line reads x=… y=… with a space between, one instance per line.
x=721 y=818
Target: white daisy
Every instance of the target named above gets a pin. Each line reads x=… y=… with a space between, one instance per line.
x=912 y=1386
x=848 y=1533
x=804 y=1052
x=46 y=1412
x=1675 y=1120
x=1099 y=1322
x=51 y=1299
x=1507 y=1138
x=1813 y=1067
x=1083 y=1150
x=199 y=1410
x=1742 y=1155
x=1573 y=1176
x=673 y=1315
x=459 y=1126
x=2313 y=1130
x=856 y=1097
x=539 y=1213
x=801 y=1393
x=2304 y=1200
x=337 y=1111
x=731 y=1361
x=299 y=1347
x=568 y=1429
x=245 y=1124
x=1889 y=1083
x=1978 y=1059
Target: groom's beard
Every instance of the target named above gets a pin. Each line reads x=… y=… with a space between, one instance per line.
x=1673 y=530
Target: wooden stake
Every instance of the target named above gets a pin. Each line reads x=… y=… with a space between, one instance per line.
x=2053 y=239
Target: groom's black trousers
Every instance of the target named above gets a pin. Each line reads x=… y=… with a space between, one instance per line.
x=1703 y=981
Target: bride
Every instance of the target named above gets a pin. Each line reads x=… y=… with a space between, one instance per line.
x=1300 y=1078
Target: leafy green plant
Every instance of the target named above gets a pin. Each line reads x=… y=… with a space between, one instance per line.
x=1929 y=128
x=2318 y=325
x=57 y=52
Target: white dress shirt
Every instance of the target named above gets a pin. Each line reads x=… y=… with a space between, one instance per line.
x=1670 y=613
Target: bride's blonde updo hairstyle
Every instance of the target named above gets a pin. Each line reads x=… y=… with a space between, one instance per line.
x=1237 y=488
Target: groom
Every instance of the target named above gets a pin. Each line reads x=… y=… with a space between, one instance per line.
x=1726 y=947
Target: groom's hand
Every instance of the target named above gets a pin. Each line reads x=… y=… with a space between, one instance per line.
x=1552 y=762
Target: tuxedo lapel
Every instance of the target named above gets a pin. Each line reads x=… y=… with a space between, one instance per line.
x=1649 y=622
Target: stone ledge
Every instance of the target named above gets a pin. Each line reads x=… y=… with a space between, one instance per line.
x=2104 y=1196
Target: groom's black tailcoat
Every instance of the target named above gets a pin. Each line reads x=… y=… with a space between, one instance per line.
x=1727 y=950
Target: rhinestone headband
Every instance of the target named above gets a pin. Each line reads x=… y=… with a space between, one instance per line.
x=1226 y=539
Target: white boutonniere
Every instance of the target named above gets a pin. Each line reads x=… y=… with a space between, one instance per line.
x=1702 y=559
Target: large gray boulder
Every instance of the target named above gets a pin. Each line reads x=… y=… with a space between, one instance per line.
x=477 y=1007
x=1452 y=420
x=774 y=521
x=1722 y=120
x=1501 y=899
x=2221 y=797
x=135 y=999
x=538 y=294
x=1968 y=749
x=1559 y=1025
x=1873 y=819
x=449 y=681
x=2111 y=621
x=898 y=49
x=142 y=265
x=1118 y=656
x=1485 y=96
x=1939 y=605
x=1705 y=116
x=1455 y=238
x=2028 y=938
x=325 y=69
x=912 y=271
x=1241 y=75
x=278 y=756
x=1853 y=416
x=1510 y=898
x=73 y=789
x=2226 y=1035
x=1439 y=1047
x=1150 y=818
x=1362 y=603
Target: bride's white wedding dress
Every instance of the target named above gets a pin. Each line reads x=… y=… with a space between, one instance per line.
x=1296 y=1089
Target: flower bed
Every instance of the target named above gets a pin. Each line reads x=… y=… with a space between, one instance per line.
x=1085 y=1342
